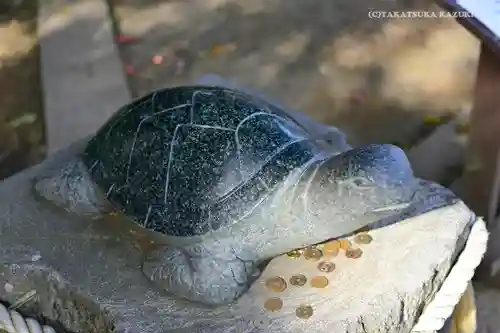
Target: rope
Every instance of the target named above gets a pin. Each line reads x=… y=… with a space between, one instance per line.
x=453 y=287
x=12 y=321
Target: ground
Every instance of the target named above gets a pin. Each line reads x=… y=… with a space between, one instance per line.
x=21 y=117
x=376 y=79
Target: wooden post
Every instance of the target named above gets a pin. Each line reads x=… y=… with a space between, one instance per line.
x=484 y=140
x=482 y=155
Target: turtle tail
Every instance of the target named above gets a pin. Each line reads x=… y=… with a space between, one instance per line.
x=72 y=189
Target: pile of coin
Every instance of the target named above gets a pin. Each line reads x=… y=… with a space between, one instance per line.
x=322 y=254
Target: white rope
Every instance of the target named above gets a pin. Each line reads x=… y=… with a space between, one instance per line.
x=12 y=321
x=453 y=287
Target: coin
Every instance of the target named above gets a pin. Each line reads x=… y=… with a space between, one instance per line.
x=304 y=311
x=353 y=253
x=312 y=254
x=294 y=254
x=319 y=282
x=273 y=304
x=326 y=266
x=298 y=280
x=277 y=284
x=345 y=244
x=331 y=248
x=363 y=238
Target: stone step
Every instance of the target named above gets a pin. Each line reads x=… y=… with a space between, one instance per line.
x=82 y=77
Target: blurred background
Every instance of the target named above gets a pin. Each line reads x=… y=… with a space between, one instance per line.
x=380 y=80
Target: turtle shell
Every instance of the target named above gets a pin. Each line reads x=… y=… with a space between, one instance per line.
x=188 y=160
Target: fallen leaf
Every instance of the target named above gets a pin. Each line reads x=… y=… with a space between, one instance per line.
x=28 y=118
x=157 y=59
x=63 y=9
x=358 y=96
x=220 y=49
x=432 y=120
x=123 y=39
x=129 y=69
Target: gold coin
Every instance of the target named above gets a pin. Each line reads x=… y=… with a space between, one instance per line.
x=294 y=254
x=273 y=304
x=312 y=254
x=276 y=284
x=326 y=266
x=304 y=311
x=298 y=280
x=363 y=238
x=331 y=248
x=345 y=244
x=319 y=282
x=353 y=253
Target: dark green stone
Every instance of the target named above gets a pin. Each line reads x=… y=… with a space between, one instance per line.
x=188 y=160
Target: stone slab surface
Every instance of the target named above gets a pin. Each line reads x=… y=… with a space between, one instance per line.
x=82 y=75
x=86 y=274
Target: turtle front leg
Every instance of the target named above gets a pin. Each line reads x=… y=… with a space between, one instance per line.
x=198 y=275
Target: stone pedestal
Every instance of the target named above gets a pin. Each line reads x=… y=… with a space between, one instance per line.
x=86 y=274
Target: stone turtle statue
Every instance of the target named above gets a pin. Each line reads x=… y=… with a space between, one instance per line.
x=229 y=181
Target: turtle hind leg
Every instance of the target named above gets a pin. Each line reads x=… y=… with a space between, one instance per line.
x=71 y=188
x=197 y=277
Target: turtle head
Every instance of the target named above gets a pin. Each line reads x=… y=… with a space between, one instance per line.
x=360 y=186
